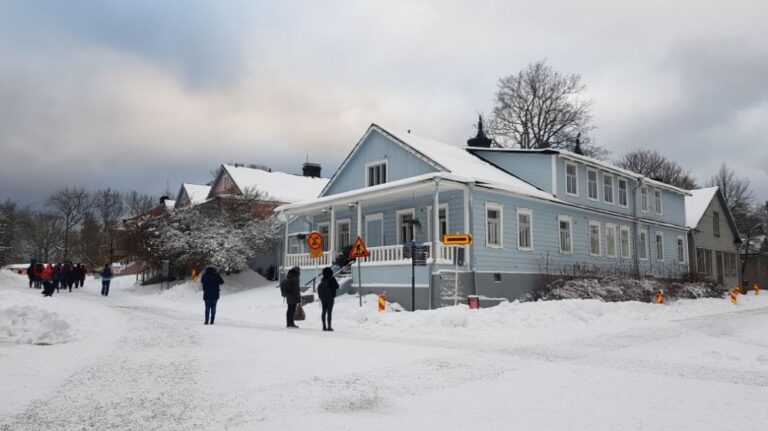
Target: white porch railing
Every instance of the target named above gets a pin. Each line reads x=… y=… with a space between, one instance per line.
x=385 y=255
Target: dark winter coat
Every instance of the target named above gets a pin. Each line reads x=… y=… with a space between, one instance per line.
x=31 y=272
x=211 y=281
x=106 y=273
x=289 y=287
x=328 y=286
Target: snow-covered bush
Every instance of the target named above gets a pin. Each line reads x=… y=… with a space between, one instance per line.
x=224 y=232
x=622 y=289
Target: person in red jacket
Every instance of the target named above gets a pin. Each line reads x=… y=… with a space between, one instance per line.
x=47 y=278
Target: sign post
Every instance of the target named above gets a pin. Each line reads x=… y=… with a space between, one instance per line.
x=359 y=251
x=459 y=240
x=315 y=244
x=418 y=255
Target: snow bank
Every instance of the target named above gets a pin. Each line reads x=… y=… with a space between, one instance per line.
x=623 y=289
x=33 y=325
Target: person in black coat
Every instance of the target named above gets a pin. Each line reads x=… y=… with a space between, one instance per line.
x=211 y=287
x=31 y=273
x=327 y=293
x=291 y=291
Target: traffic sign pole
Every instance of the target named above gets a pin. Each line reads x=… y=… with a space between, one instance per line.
x=359 y=251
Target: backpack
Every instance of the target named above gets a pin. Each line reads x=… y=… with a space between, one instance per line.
x=107 y=272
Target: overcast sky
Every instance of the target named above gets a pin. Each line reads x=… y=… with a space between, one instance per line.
x=136 y=94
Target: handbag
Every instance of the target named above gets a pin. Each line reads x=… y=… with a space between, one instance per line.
x=299 y=314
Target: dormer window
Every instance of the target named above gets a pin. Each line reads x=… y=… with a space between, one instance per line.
x=571 y=180
x=376 y=173
x=657 y=200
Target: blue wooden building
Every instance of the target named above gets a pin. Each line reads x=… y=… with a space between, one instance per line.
x=534 y=215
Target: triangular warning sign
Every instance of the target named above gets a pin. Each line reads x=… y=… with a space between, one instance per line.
x=359 y=249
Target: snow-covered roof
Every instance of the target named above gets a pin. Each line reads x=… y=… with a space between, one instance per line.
x=169 y=204
x=457 y=160
x=696 y=204
x=196 y=193
x=278 y=186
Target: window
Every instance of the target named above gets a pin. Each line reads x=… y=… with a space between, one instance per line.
x=295 y=245
x=406 y=226
x=623 y=192
x=716 y=223
x=644 y=199
x=659 y=246
x=493 y=231
x=680 y=249
x=610 y=240
x=731 y=267
x=442 y=221
x=704 y=261
x=324 y=229
x=376 y=173
x=524 y=229
x=624 y=242
x=564 y=223
x=657 y=200
x=342 y=234
x=642 y=251
x=607 y=189
x=594 y=238
x=571 y=179
x=592 y=184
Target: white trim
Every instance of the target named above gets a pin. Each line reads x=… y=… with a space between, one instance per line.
x=682 y=262
x=597 y=184
x=398 y=213
x=562 y=218
x=647 y=203
x=599 y=238
x=374 y=217
x=656 y=236
x=528 y=212
x=647 y=243
x=626 y=192
x=622 y=229
x=430 y=217
x=554 y=175
x=613 y=188
x=613 y=226
x=576 y=175
x=500 y=208
x=659 y=209
x=384 y=162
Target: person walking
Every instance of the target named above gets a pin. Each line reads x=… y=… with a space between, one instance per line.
x=46 y=278
x=106 y=278
x=291 y=291
x=82 y=273
x=31 y=273
x=327 y=293
x=38 y=272
x=212 y=282
x=56 y=277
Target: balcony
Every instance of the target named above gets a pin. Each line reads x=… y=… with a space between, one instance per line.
x=379 y=256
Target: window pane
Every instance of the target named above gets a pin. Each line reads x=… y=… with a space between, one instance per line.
x=594 y=239
x=524 y=230
x=625 y=243
x=608 y=189
x=643 y=245
x=565 y=236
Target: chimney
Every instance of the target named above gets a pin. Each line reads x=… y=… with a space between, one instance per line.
x=480 y=140
x=163 y=199
x=310 y=170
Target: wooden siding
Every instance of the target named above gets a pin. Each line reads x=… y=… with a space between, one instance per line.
x=531 y=167
x=401 y=164
x=704 y=237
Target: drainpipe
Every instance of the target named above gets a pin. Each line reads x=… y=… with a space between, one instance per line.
x=471 y=257
x=635 y=198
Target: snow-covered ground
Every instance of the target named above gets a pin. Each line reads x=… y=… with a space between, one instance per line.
x=142 y=359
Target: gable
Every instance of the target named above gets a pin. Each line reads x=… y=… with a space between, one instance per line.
x=375 y=146
x=224 y=185
x=704 y=234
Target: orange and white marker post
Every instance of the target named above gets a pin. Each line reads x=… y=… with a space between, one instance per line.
x=383 y=302
x=735 y=294
x=756 y=288
x=659 y=297
x=194 y=275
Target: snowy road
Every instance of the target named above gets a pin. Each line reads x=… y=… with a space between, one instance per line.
x=146 y=362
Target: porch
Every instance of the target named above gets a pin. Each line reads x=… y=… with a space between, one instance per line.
x=379 y=256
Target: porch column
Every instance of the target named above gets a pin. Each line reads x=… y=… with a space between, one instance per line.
x=285 y=246
x=359 y=219
x=332 y=234
x=466 y=224
x=435 y=219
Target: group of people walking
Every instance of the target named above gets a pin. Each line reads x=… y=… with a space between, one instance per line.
x=55 y=277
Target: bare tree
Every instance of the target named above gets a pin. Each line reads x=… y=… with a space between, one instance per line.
x=541 y=108
x=45 y=232
x=137 y=203
x=737 y=194
x=13 y=220
x=653 y=165
x=109 y=207
x=70 y=205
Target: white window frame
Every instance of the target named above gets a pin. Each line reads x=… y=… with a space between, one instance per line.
x=613 y=189
x=657 y=203
x=326 y=239
x=529 y=213
x=611 y=226
x=430 y=217
x=599 y=238
x=569 y=219
x=644 y=199
x=338 y=243
x=368 y=165
x=625 y=228
x=656 y=237
x=374 y=217
x=575 y=178
x=626 y=191
x=398 y=223
x=643 y=244
x=597 y=184
x=680 y=245
x=500 y=208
